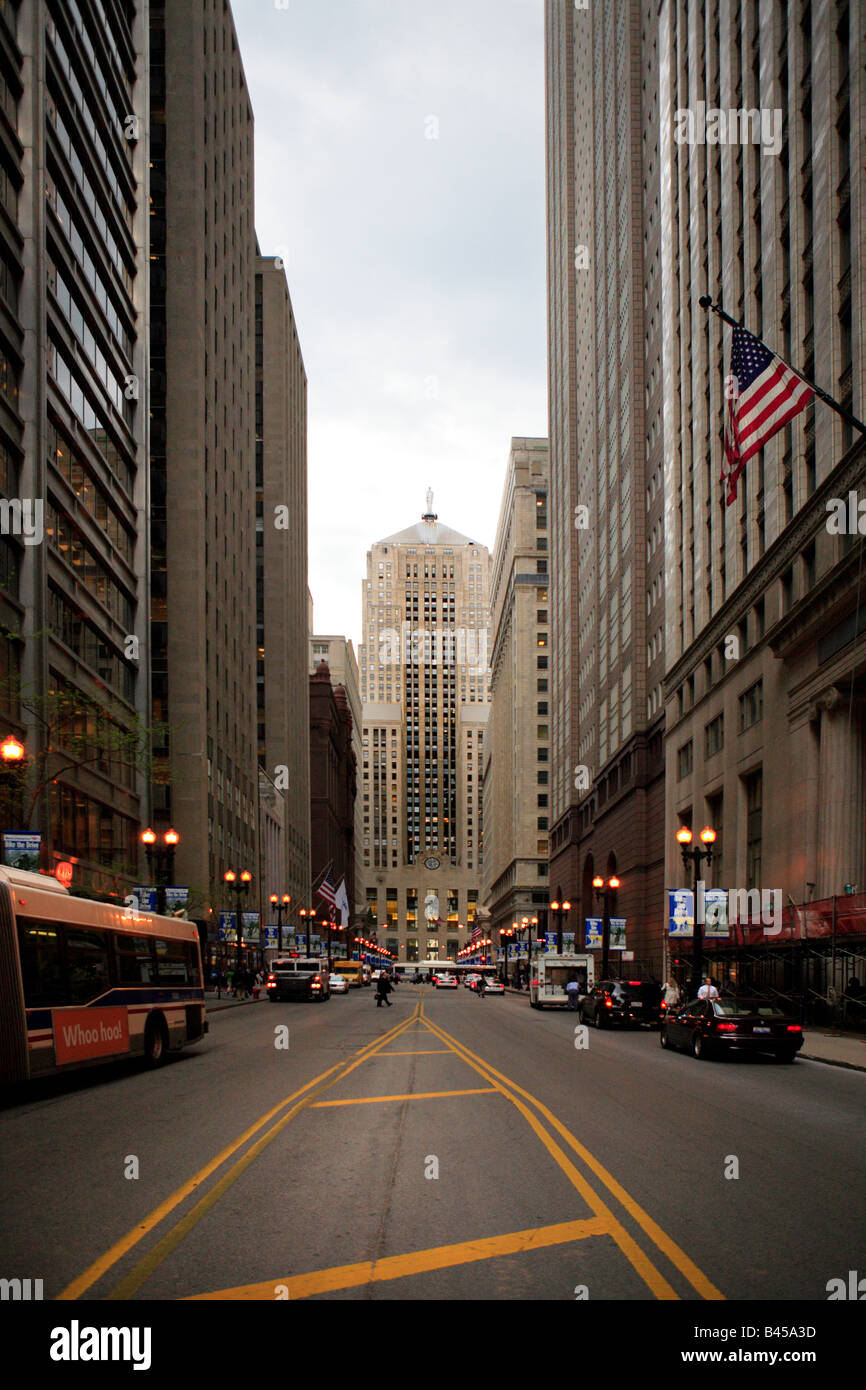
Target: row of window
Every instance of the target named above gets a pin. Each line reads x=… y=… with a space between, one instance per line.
x=751 y=709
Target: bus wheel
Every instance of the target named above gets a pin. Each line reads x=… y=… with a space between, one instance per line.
x=155 y=1041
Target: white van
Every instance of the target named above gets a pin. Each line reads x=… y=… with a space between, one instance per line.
x=551 y=973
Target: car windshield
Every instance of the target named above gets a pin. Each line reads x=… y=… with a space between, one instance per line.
x=337 y=978
x=741 y=1008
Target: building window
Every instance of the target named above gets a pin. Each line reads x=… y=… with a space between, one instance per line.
x=751 y=706
x=754 y=799
x=714 y=735
x=685 y=760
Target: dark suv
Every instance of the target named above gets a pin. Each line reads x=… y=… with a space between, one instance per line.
x=622 y=1001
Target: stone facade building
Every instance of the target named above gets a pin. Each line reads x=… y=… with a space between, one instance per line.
x=746 y=660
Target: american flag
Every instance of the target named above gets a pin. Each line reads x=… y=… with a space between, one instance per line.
x=476 y=934
x=766 y=396
x=327 y=889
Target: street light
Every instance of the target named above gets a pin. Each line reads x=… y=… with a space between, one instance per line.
x=306 y=915
x=238 y=883
x=693 y=856
x=160 y=860
x=280 y=906
x=558 y=911
x=607 y=893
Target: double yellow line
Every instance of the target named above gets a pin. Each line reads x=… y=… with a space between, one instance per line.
x=298 y=1101
x=607 y=1222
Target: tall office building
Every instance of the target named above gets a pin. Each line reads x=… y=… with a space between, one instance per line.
x=282 y=693
x=203 y=457
x=606 y=589
x=73 y=427
x=517 y=748
x=742 y=661
x=425 y=687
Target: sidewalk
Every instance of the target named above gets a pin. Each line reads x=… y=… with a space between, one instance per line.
x=228 y=1001
x=834 y=1047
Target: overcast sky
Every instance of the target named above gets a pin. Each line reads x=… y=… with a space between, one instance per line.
x=416 y=265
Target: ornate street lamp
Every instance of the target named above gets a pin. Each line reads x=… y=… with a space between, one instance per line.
x=693 y=857
x=160 y=860
x=238 y=883
x=605 y=892
x=280 y=906
x=558 y=911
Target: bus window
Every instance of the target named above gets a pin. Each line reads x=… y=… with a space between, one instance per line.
x=41 y=965
x=135 y=965
x=86 y=964
x=171 y=964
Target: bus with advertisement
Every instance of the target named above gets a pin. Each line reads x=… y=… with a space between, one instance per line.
x=83 y=982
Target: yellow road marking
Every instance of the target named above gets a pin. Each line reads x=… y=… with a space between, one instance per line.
x=678 y=1258
x=416 y=1095
x=121 y=1247
x=430 y=1052
x=420 y=1262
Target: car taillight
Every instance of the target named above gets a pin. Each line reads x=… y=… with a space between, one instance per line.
x=608 y=1003
x=663 y=1005
x=794 y=1028
x=726 y=1027
x=272 y=979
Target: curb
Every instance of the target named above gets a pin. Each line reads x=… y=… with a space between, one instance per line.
x=831 y=1061
x=218 y=1004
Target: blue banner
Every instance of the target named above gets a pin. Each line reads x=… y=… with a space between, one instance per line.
x=594 y=930
x=146 y=898
x=681 y=912
x=22 y=851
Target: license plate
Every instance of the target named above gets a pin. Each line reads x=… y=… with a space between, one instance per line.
x=762 y=1030
x=636 y=1004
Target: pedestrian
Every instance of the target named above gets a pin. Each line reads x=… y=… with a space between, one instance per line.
x=708 y=989
x=383 y=989
x=671 y=995
x=572 y=989
x=479 y=988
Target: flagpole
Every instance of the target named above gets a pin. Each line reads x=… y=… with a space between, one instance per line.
x=706 y=303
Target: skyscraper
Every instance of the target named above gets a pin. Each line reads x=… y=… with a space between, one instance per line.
x=425 y=687
x=606 y=593
x=203 y=458
x=73 y=427
x=517 y=747
x=282 y=692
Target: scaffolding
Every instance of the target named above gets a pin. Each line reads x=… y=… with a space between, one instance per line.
x=814 y=964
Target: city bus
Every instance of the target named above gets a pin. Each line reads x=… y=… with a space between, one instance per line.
x=83 y=982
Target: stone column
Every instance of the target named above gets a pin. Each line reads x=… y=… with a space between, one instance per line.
x=841 y=810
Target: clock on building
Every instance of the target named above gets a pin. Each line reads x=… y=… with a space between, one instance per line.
x=432 y=862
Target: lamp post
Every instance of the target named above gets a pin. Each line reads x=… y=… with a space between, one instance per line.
x=160 y=860
x=13 y=758
x=306 y=915
x=605 y=892
x=693 y=857
x=558 y=911
x=238 y=883
x=280 y=906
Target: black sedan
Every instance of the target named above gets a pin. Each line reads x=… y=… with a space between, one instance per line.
x=709 y=1027
x=622 y=1001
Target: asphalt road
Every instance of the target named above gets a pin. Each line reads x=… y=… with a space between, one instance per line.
x=448 y=1147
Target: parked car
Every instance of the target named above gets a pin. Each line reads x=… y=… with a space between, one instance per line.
x=339 y=984
x=623 y=1002
x=494 y=987
x=709 y=1027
